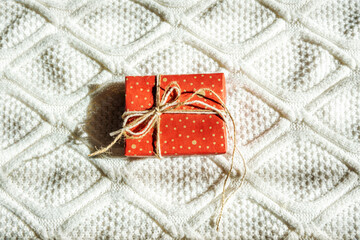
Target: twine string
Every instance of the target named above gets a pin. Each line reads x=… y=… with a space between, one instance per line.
x=166 y=104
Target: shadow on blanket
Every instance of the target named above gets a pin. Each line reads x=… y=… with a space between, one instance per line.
x=104 y=116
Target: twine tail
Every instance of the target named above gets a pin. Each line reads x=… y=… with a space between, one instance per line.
x=223 y=199
x=168 y=105
x=102 y=150
x=242 y=178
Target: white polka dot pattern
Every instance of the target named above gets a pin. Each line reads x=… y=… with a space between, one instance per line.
x=179 y=133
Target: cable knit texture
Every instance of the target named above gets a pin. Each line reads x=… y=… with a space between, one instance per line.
x=293 y=88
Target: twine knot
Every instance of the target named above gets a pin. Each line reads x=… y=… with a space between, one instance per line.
x=157 y=110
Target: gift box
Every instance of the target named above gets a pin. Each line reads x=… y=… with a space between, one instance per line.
x=190 y=129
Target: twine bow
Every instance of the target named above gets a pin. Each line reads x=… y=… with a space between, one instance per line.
x=171 y=104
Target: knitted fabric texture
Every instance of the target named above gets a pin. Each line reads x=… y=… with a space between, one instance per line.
x=293 y=87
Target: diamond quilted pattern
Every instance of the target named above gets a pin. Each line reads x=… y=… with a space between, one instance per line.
x=177 y=181
x=340 y=17
x=256 y=223
x=61 y=4
x=54 y=178
x=178 y=58
x=17 y=23
x=347 y=123
x=16 y=121
x=295 y=65
x=346 y=224
x=252 y=116
x=55 y=54
x=302 y=170
x=59 y=70
x=119 y=22
x=176 y=3
x=118 y=220
x=233 y=21
x=11 y=227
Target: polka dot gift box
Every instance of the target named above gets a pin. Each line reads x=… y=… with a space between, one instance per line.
x=188 y=129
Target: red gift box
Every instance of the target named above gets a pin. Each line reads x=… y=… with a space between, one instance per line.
x=182 y=133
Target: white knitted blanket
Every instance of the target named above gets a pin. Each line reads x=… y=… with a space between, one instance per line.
x=293 y=84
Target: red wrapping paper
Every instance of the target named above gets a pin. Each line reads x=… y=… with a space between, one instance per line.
x=180 y=133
